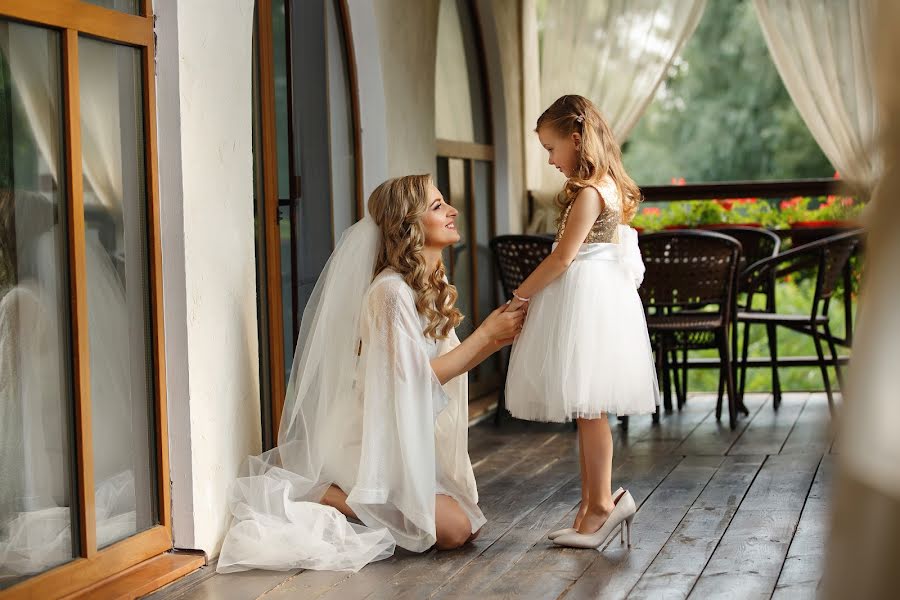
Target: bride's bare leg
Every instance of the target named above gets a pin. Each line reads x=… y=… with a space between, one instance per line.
x=451 y=524
x=336 y=497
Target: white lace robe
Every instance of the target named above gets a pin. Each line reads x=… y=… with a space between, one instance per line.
x=394 y=442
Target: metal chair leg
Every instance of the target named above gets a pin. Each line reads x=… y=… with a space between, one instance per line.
x=676 y=377
x=728 y=372
x=734 y=353
x=772 y=337
x=745 y=357
x=720 y=397
x=659 y=371
x=824 y=368
x=667 y=384
x=834 y=357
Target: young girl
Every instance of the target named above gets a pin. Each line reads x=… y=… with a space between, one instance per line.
x=584 y=351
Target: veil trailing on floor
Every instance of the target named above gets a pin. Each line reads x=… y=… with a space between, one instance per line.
x=353 y=415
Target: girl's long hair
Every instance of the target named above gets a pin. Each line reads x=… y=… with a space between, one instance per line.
x=599 y=154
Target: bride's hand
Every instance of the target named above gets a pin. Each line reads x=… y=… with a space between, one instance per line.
x=503 y=325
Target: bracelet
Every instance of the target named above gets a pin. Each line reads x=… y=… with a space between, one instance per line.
x=520 y=298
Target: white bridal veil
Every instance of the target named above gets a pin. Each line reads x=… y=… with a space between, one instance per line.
x=360 y=412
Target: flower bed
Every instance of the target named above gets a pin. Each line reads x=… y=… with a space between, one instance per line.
x=800 y=211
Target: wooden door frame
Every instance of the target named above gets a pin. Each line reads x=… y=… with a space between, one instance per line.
x=275 y=334
x=72 y=18
x=271 y=200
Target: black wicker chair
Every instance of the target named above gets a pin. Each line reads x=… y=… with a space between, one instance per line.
x=828 y=258
x=516 y=256
x=756 y=244
x=688 y=293
x=799 y=236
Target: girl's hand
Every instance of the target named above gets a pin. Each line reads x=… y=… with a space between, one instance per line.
x=502 y=324
x=516 y=304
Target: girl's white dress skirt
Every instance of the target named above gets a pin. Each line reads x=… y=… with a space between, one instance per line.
x=584 y=350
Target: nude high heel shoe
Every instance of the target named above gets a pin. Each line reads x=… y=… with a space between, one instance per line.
x=555 y=534
x=621 y=517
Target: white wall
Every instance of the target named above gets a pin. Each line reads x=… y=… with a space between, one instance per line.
x=395 y=43
x=501 y=26
x=206 y=174
x=407 y=34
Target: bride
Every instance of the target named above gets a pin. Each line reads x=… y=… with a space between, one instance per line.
x=372 y=446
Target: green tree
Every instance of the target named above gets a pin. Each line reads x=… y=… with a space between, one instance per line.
x=723 y=113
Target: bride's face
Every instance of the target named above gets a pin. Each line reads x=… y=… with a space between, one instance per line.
x=439 y=221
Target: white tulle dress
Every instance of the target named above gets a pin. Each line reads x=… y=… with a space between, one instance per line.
x=365 y=411
x=584 y=350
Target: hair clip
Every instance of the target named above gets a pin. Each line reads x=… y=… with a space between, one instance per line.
x=580 y=118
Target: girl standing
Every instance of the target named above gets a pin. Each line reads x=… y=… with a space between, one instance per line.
x=584 y=351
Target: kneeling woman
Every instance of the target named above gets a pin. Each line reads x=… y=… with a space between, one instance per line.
x=372 y=446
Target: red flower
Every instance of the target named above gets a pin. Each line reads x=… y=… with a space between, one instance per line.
x=847 y=202
x=651 y=210
x=727 y=204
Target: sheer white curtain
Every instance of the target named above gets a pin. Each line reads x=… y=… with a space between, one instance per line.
x=615 y=52
x=101 y=127
x=29 y=59
x=822 y=49
x=865 y=526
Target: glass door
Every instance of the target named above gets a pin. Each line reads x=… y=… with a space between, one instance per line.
x=83 y=448
x=314 y=168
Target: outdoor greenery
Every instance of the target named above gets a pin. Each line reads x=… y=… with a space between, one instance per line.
x=760 y=212
x=723 y=113
x=791 y=297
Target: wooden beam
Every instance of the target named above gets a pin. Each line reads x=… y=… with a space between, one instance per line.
x=465 y=150
x=81 y=573
x=270 y=211
x=741 y=189
x=103 y=23
x=762 y=362
x=157 y=316
x=81 y=368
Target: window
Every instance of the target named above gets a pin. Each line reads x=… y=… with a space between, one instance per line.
x=83 y=457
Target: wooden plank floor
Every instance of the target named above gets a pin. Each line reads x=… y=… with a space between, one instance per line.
x=737 y=514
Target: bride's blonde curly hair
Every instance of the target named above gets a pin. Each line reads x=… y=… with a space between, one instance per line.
x=397 y=206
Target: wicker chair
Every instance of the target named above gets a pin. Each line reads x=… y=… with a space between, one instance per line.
x=688 y=293
x=800 y=236
x=828 y=258
x=756 y=244
x=516 y=256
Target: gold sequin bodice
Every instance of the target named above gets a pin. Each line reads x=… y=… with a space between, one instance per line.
x=605 y=228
